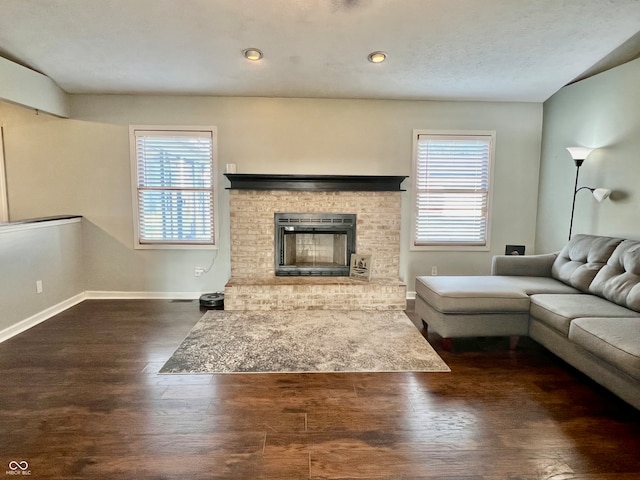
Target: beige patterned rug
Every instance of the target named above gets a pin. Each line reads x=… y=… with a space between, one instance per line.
x=304 y=341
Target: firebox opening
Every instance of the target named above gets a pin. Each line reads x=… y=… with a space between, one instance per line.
x=314 y=244
x=315 y=249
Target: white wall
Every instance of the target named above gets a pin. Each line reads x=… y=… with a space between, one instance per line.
x=601 y=112
x=81 y=166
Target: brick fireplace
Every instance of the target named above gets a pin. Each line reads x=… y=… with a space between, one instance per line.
x=254 y=202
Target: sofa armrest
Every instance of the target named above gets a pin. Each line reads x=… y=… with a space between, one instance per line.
x=525 y=265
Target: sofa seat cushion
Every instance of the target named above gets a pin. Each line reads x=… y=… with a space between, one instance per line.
x=558 y=311
x=616 y=340
x=484 y=294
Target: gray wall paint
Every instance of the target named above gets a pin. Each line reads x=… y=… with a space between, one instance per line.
x=601 y=112
x=81 y=166
x=52 y=254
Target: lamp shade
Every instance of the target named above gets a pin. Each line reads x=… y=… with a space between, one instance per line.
x=601 y=194
x=579 y=153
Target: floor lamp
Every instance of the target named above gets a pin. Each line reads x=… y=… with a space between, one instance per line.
x=579 y=154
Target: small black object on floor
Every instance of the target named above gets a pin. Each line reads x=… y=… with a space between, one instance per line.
x=212 y=301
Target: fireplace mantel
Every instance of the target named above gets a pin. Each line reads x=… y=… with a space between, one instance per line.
x=316 y=183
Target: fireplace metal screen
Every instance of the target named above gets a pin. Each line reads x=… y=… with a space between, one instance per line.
x=314 y=244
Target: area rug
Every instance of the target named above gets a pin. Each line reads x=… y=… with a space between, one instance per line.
x=304 y=341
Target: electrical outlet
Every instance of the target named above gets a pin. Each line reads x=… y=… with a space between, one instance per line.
x=434 y=271
x=199 y=271
x=39 y=286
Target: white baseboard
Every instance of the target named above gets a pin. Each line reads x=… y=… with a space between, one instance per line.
x=46 y=314
x=40 y=317
x=108 y=295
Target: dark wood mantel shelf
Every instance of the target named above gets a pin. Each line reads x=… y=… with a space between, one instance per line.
x=318 y=183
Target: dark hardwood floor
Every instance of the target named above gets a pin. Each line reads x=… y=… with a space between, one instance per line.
x=80 y=399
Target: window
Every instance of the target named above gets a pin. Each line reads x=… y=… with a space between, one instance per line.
x=452 y=185
x=173 y=171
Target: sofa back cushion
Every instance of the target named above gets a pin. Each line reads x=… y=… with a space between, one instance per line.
x=619 y=280
x=582 y=258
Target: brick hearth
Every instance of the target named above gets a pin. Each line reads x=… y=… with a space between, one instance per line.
x=253 y=284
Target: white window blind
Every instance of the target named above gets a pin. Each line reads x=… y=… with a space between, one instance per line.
x=452 y=189
x=174 y=185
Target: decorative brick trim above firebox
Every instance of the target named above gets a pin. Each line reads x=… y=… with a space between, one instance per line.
x=253 y=284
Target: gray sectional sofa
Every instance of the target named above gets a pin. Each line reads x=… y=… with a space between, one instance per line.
x=582 y=303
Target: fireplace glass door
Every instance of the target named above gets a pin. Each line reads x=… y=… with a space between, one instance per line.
x=315 y=249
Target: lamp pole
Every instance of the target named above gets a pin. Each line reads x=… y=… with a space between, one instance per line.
x=575 y=191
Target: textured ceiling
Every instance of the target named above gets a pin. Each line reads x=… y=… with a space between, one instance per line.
x=504 y=50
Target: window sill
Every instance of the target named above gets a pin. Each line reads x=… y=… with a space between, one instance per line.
x=449 y=248
x=160 y=246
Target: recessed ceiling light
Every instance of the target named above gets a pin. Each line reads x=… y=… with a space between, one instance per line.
x=377 y=57
x=252 y=54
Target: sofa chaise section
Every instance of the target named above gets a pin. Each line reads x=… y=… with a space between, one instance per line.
x=492 y=305
x=480 y=306
x=498 y=304
x=582 y=303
